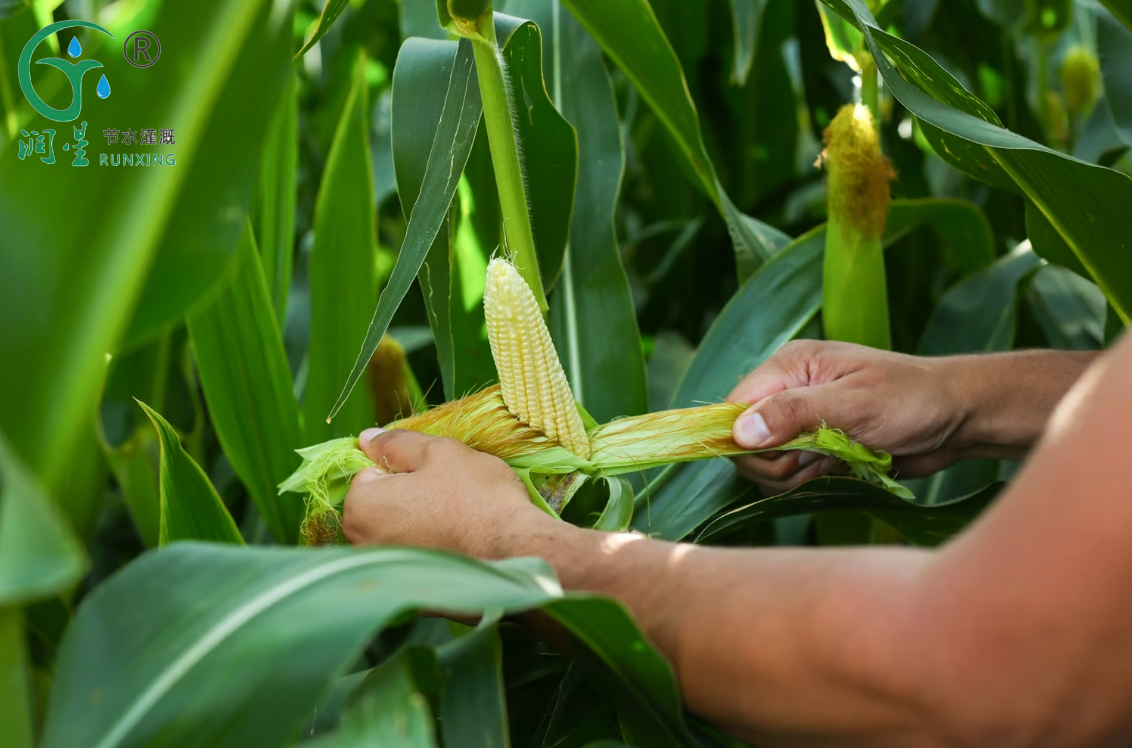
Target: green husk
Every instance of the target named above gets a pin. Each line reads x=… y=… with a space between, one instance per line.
x=552 y=474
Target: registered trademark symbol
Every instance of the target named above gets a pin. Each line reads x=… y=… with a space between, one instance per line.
x=142 y=49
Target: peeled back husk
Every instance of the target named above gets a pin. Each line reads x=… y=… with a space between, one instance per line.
x=621 y=446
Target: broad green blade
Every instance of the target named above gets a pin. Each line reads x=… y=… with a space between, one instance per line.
x=451 y=143
x=247 y=384
x=641 y=681
x=922 y=525
x=65 y=305
x=194 y=670
x=330 y=12
x=548 y=143
x=274 y=205
x=420 y=84
x=648 y=61
x=39 y=554
x=1085 y=203
x=190 y=506
x=746 y=19
x=978 y=314
x=388 y=708
x=1122 y=9
x=204 y=228
x=961 y=225
x=343 y=275
x=473 y=709
x=592 y=318
x=1069 y=309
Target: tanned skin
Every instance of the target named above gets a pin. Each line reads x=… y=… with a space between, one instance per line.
x=1018 y=633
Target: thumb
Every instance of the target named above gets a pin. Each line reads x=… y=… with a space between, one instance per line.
x=780 y=417
x=398 y=450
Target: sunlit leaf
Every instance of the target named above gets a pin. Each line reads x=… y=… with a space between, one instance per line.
x=247 y=384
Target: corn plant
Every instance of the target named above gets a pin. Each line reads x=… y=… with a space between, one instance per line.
x=558 y=230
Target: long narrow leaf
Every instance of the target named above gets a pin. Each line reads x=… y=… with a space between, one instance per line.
x=592 y=316
x=65 y=305
x=190 y=506
x=343 y=275
x=247 y=384
x=450 y=147
x=39 y=554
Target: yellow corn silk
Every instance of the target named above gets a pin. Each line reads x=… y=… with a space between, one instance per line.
x=530 y=421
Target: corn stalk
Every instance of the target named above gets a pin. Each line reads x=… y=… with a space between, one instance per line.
x=474 y=20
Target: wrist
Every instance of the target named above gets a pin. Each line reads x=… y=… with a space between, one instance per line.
x=1002 y=401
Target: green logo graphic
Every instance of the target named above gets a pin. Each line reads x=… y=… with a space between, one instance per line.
x=73 y=71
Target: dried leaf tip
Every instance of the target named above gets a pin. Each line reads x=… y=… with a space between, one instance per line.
x=532 y=383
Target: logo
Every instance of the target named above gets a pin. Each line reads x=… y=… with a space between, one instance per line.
x=145 y=45
x=73 y=71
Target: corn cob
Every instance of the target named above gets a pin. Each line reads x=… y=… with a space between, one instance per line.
x=531 y=379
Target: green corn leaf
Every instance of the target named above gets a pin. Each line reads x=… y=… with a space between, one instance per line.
x=746 y=20
x=194 y=670
x=961 y=225
x=1085 y=203
x=275 y=199
x=247 y=385
x=39 y=554
x=979 y=313
x=648 y=61
x=922 y=525
x=388 y=707
x=330 y=12
x=473 y=710
x=451 y=142
x=592 y=318
x=1122 y=9
x=63 y=307
x=343 y=276
x=190 y=507
x=1069 y=309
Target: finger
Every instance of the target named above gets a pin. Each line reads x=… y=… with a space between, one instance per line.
x=779 y=467
x=775 y=487
x=780 y=417
x=772 y=376
x=398 y=450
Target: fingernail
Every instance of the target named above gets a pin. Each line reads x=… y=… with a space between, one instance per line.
x=369 y=434
x=808 y=458
x=751 y=430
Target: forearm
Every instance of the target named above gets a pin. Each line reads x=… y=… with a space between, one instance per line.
x=778 y=646
x=1005 y=400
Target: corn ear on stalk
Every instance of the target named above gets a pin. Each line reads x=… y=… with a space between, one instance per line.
x=531 y=379
x=1080 y=79
x=854 y=295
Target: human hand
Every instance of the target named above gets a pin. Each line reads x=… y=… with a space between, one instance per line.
x=905 y=405
x=439 y=493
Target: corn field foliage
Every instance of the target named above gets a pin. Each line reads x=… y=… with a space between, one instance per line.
x=170 y=336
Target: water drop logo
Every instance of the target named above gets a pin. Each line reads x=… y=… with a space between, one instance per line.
x=73 y=70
